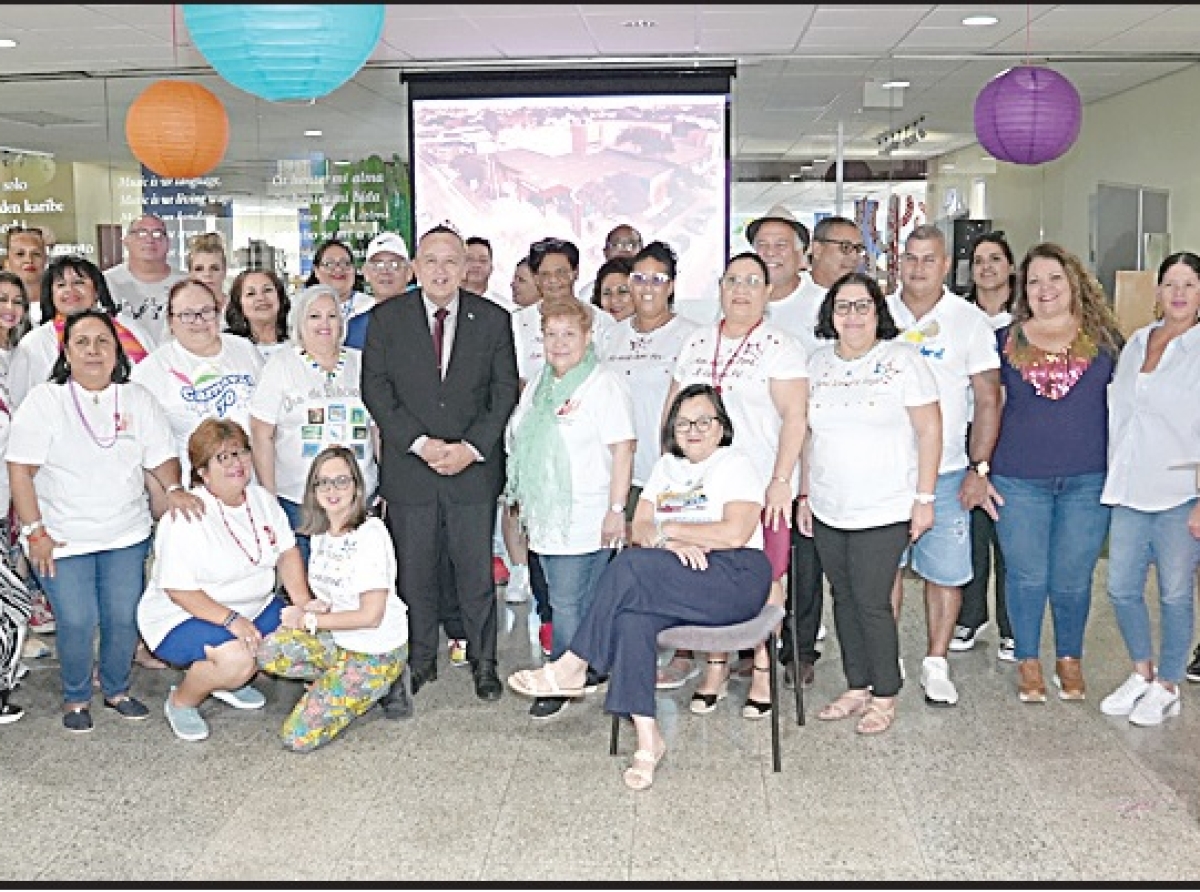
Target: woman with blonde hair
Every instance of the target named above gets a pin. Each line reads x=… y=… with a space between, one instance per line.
x=208 y=262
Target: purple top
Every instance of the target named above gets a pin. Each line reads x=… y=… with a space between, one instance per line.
x=1041 y=437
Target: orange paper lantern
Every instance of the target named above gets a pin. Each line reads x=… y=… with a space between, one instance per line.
x=177 y=129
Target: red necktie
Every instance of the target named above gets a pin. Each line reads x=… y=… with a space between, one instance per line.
x=439 y=334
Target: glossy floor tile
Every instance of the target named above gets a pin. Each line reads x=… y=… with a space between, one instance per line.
x=990 y=790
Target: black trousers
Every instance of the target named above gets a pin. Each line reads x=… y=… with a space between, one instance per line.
x=862 y=566
x=424 y=536
x=805 y=595
x=988 y=564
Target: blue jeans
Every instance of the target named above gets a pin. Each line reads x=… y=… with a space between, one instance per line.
x=572 y=580
x=292 y=510
x=1137 y=540
x=89 y=590
x=1051 y=532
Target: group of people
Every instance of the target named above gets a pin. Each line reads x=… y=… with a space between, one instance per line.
x=323 y=506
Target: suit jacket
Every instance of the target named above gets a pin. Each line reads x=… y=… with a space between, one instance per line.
x=407 y=397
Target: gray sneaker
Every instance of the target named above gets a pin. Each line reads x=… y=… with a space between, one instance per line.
x=185 y=721
x=245 y=697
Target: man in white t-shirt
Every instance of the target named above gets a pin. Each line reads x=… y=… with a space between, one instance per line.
x=960 y=348
x=837 y=249
x=140 y=285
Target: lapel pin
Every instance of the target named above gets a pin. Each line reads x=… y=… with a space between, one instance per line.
x=470 y=315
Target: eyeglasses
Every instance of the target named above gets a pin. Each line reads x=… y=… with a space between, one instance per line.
x=154 y=234
x=861 y=307
x=387 y=265
x=331 y=265
x=750 y=281
x=701 y=424
x=625 y=244
x=655 y=279
x=187 y=317
x=324 y=484
x=844 y=246
x=620 y=289
x=228 y=457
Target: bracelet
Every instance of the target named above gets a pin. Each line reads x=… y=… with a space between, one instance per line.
x=802 y=498
x=173 y=487
x=925 y=498
x=781 y=480
x=229 y=620
x=310 y=623
x=28 y=529
x=39 y=533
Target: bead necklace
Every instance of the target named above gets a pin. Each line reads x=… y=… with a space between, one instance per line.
x=1052 y=375
x=330 y=376
x=718 y=379
x=106 y=443
x=252 y=558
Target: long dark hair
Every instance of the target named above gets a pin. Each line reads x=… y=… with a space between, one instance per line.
x=235 y=315
x=17 y=331
x=62 y=366
x=55 y=272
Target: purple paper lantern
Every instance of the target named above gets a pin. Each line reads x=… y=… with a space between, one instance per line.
x=1028 y=115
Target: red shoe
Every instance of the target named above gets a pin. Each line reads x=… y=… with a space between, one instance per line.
x=499 y=570
x=546 y=638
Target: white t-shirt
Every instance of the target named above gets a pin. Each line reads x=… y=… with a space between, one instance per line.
x=598 y=415
x=957 y=341
x=863 y=458
x=35 y=354
x=527 y=336
x=697 y=492
x=5 y=428
x=646 y=361
x=312 y=409
x=221 y=553
x=144 y=303
x=744 y=371
x=341 y=568
x=90 y=484
x=797 y=313
x=191 y=388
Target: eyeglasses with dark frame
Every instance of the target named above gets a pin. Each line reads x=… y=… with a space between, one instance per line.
x=331 y=265
x=228 y=456
x=846 y=247
x=860 y=307
x=187 y=317
x=341 y=482
x=702 y=424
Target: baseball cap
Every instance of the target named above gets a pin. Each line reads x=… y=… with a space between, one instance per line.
x=779 y=214
x=387 y=241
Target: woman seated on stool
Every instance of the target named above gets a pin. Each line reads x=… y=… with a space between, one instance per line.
x=351 y=639
x=698 y=520
x=211 y=598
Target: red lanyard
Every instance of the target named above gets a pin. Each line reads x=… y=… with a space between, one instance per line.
x=718 y=378
x=254 y=559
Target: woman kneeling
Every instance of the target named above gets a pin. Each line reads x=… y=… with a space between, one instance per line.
x=698 y=520
x=351 y=640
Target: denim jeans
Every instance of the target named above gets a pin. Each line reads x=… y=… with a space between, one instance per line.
x=292 y=510
x=89 y=590
x=572 y=580
x=1162 y=538
x=1051 y=532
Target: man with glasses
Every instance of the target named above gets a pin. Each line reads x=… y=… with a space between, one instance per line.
x=837 y=249
x=956 y=340
x=622 y=241
x=140 y=285
x=388 y=273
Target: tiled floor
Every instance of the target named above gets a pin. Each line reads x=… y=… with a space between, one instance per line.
x=990 y=790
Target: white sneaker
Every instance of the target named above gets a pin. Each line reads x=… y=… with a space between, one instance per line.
x=1155 y=705
x=517 y=590
x=965 y=637
x=1125 y=698
x=935 y=679
x=1007 y=651
x=821 y=632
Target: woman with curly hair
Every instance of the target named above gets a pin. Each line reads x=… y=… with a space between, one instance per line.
x=258 y=309
x=1056 y=361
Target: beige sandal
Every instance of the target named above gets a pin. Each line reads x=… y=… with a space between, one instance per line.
x=877 y=718
x=640 y=773
x=849 y=704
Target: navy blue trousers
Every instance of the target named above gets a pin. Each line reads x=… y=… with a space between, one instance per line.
x=646 y=590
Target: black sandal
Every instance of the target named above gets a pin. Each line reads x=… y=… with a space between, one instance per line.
x=757 y=709
x=702 y=704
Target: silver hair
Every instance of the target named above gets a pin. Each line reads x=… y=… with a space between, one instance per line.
x=300 y=304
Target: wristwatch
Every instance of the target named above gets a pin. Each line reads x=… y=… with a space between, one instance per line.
x=616 y=508
x=981 y=468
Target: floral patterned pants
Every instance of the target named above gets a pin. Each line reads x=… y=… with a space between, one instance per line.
x=345 y=683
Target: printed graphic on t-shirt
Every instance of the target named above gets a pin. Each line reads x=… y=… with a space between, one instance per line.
x=926 y=339
x=327 y=427
x=214 y=393
x=687 y=504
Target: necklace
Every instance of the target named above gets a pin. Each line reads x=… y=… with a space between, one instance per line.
x=719 y=378
x=252 y=558
x=106 y=443
x=1052 y=375
x=330 y=376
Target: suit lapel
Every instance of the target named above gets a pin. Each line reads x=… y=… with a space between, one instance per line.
x=466 y=332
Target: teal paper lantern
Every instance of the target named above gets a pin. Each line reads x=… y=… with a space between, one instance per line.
x=285 y=52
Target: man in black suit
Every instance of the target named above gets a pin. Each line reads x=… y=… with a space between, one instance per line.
x=442 y=466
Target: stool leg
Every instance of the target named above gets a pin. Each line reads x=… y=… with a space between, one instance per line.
x=616 y=733
x=793 y=575
x=773 y=676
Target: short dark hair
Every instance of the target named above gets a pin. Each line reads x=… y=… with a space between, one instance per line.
x=539 y=249
x=997 y=239
x=235 y=313
x=314 y=519
x=56 y=272
x=669 y=442
x=620 y=265
x=62 y=366
x=320 y=256
x=751 y=255
x=885 y=324
x=821 y=230
x=480 y=240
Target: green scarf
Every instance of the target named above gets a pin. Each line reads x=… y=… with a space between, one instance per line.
x=539 y=468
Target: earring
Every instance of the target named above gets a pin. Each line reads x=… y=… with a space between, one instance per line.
x=67 y=366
